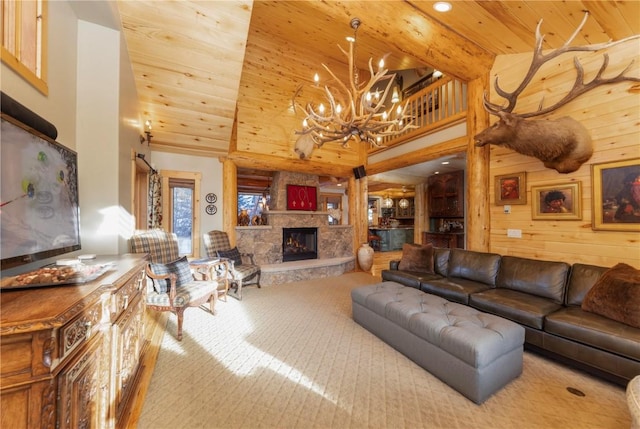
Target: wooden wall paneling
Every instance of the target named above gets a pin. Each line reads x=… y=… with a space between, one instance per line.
x=610 y=113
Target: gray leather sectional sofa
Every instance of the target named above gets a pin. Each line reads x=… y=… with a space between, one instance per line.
x=544 y=297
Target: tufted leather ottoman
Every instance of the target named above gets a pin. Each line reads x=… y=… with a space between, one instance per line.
x=473 y=352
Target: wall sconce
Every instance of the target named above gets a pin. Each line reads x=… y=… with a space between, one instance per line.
x=147 y=131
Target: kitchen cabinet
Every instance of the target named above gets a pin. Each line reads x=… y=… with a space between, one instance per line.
x=71 y=354
x=451 y=240
x=398 y=212
x=404 y=213
x=446 y=195
x=393 y=238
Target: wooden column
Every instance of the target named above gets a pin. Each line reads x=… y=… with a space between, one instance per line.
x=420 y=215
x=230 y=199
x=478 y=222
x=358 y=211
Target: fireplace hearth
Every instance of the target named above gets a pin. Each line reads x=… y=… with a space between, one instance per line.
x=299 y=244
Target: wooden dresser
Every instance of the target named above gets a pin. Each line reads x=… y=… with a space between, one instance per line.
x=451 y=240
x=70 y=355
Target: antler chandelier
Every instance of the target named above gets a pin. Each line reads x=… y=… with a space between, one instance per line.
x=354 y=109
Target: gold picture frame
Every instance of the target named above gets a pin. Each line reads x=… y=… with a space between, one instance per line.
x=562 y=201
x=616 y=195
x=511 y=189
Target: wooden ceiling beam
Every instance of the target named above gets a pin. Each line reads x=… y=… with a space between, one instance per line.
x=276 y=163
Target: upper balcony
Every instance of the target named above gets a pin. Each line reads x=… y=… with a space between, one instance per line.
x=439 y=105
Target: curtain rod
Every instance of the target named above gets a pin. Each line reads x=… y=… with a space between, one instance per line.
x=141 y=156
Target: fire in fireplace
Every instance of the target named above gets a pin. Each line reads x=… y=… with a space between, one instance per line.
x=299 y=244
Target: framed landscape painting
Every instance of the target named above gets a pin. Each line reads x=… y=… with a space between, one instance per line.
x=616 y=195
x=557 y=202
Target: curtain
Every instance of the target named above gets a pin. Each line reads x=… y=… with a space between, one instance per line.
x=155 y=201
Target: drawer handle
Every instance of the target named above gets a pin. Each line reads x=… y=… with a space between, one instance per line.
x=125 y=302
x=87 y=332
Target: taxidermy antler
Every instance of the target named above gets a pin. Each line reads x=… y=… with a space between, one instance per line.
x=562 y=144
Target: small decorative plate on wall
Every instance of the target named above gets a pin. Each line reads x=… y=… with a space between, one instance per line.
x=211 y=198
x=211 y=209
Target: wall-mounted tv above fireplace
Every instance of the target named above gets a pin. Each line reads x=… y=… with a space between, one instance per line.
x=39 y=210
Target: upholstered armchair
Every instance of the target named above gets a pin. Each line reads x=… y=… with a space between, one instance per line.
x=243 y=270
x=173 y=286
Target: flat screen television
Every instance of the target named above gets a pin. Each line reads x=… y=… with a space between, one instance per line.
x=39 y=210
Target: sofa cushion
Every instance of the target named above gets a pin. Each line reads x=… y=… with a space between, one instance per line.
x=452 y=288
x=179 y=267
x=441 y=260
x=529 y=310
x=416 y=257
x=616 y=295
x=594 y=330
x=186 y=294
x=546 y=279
x=408 y=278
x=479 y=266
x=581 y=279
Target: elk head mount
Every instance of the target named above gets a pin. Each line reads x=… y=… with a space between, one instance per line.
x=562 y=144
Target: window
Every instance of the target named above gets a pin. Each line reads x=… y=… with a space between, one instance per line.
x=253 y=203
x=180 y=207
x=332 y=203
x=24 y=47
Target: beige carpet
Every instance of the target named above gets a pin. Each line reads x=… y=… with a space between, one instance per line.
x=290 y=356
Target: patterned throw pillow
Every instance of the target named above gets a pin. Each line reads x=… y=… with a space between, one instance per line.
x=233 y=254
x=179 y=267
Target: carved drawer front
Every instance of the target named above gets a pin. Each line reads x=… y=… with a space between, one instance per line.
x=80 y=330
x=80 y=389
x=125 y=295
x=127 y=342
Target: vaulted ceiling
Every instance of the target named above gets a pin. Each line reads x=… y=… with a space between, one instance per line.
x=201 y=65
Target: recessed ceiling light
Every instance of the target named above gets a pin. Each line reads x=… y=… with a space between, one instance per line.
x=445 y=162
x=442 y=6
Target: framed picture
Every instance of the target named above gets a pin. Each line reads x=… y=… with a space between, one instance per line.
x=557 y=202
x=616 y=195
x=511 y=189
x=302 y=198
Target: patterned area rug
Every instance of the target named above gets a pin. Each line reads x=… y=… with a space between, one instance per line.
x=290 y=356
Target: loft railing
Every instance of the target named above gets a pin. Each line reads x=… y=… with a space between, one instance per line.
x=440 y=104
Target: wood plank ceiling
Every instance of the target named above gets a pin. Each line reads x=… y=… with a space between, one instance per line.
x=200 y=65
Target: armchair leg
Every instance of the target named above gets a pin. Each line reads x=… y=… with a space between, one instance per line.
x=240 y=290
x=213 y=300
x=180 y=314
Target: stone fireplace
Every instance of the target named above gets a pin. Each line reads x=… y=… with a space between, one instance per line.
x=334 y=243
x=299 y=244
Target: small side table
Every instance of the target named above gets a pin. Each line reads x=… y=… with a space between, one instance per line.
x=213 y=269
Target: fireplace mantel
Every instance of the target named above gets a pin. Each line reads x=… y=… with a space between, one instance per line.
x=295 y=212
